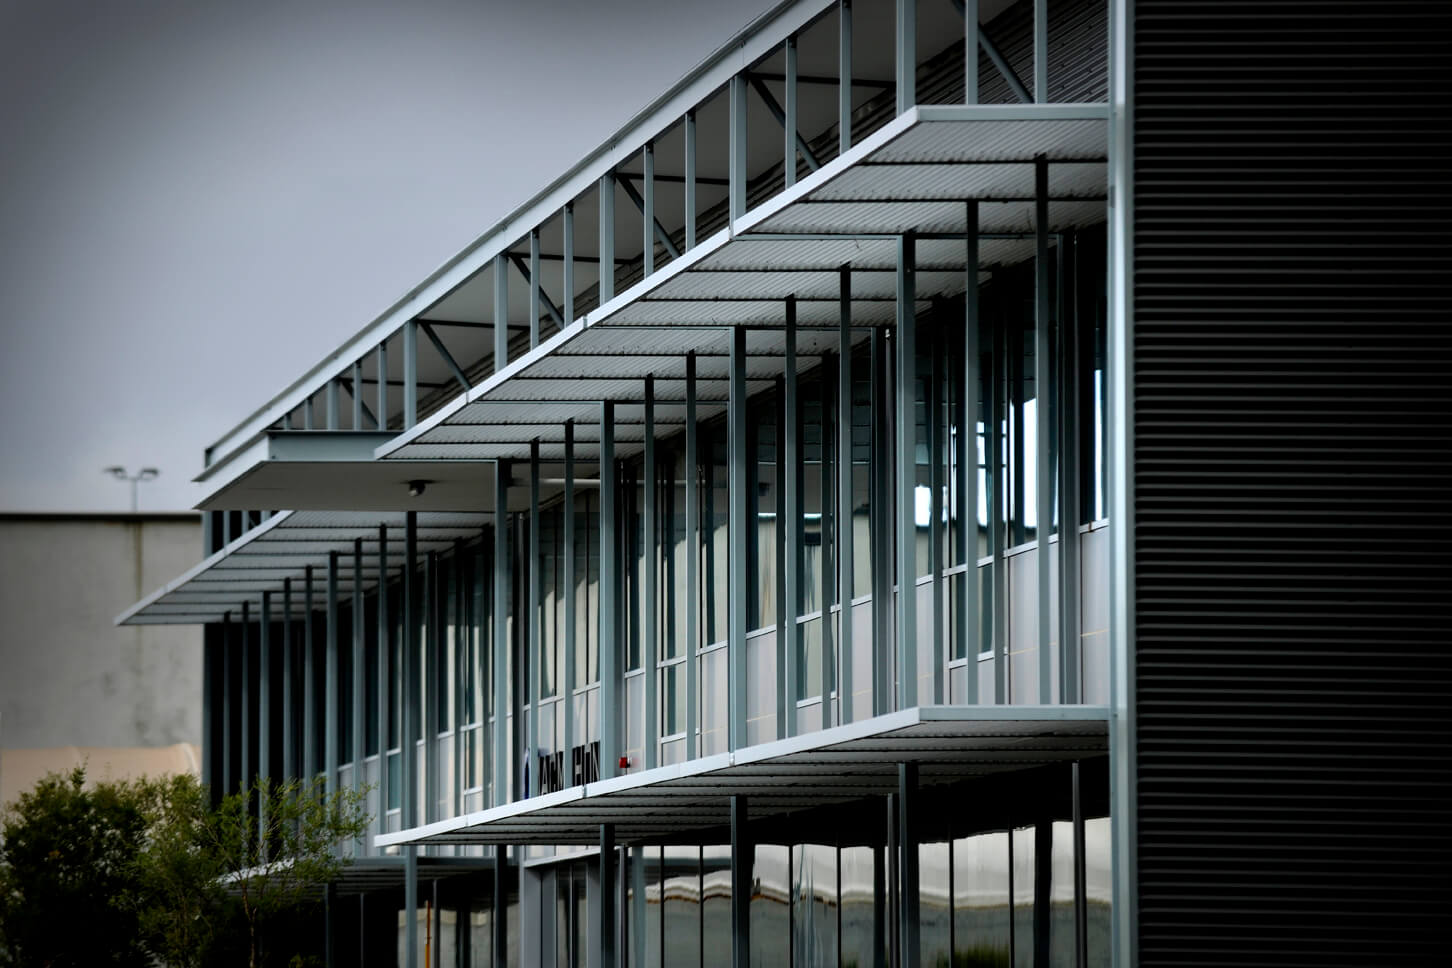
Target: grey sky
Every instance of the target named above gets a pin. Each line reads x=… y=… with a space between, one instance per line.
x=199 y=200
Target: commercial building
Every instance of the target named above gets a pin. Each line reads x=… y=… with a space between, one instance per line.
x=901 y=501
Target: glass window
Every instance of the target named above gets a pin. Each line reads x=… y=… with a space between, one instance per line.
x=681 y=906
x=716 y=906
x=771 y=906
x=814 y=904
x=981 y=899
x=861 y=878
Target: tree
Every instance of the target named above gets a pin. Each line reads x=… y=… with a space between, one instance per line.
x=70 y=890
x=185 y=907
x=275 y=845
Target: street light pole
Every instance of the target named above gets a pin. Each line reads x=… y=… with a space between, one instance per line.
x=145 y=474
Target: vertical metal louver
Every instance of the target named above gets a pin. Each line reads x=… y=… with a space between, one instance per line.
x=1293 y=473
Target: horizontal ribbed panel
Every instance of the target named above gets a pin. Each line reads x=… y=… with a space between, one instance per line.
x=1292 y=470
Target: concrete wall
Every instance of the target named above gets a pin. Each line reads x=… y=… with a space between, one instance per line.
x=68 y=676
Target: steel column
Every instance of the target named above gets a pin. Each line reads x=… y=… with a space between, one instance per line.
x=331 y=398
x=357 y=394
x=534 y=293
x=383 y=384
x=689 y=136
x=647 y=209
x=791 y=529
x=501 y=311
x=651 y=577
x=969 y=627
x=906 y=393
x=844 y=80
x=789 y=115
x=607 y=238
x=501 y=907
x=385 y=634
x=408 y=686
x=970 y=52
x=1066 y=408
x=410 y=905
x=264 y=711
x=245 y=706
x=410 y=373
x=910 y=921
x=567 y=688
x=1041 y=51
x=737 y=545
x=609 y=615
x=289 y=665
x=737 y=147
x=846 y=556
x=310 y=685
x=1043 y=425
x=998 y=384
x=906 y=58
x=567 y=228
x=880 y=498
x=693 y=552
x=743 y=857
x=933 y=413
x=360 y=680
x=532 y=621
x=608 y=926
x=330 y=680
x=429 y=678
x=828 y=492
x=501 y=633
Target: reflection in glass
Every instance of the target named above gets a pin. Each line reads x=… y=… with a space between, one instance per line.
x=980 y=899
x=770 y=907
x=716 y=907
x=858 y=904
x=934 y=907
x=681 y=905
x=1023 y=897
x=1098 y=890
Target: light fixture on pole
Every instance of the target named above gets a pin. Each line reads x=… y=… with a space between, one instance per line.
x=145 y=474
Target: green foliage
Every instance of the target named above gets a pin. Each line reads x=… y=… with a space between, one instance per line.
x=124 y=873
x=70 y=891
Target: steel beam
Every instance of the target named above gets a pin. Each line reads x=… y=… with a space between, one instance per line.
x=650 y=647
x=737 y=545
x=608 y=633
x=444 y=354
x=786 y=118
x=693 y=552
x=906 y=471
x=500 y=606
x=846 y=560
x=986 y=43
x=791 y=528
x=1043 y=426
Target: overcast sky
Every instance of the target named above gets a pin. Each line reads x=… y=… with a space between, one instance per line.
x=198 y=201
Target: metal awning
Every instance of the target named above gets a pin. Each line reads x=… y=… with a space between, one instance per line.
x=838 y=765
x=364 y=875
x=913 y=175
x=282 y=547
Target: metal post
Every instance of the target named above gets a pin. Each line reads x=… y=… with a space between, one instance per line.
x=789 y=123
x=743 y=856
x=737 y=546
x=791 y=491
x=536 y=645
x=1066 y=408
x=1041 y=51
x=908 y=908
x=968 y=630
x=501 y=311
x=308 y=413
x=737 y=132
x=689 y=134
x=907 y=54
x=827 y=490
x=383 y=384
x=408 y=686
x=289 y=722
x=357 y=394
x=1043 y=425
x=608 y=633
x=892 y=909
x=310 y=685
x=567 y=226
x=501 y=908
x=330 y=680
x=567 y=690
x=607 y=237
x=998 y=383
x=410 y=373
x=934 y=414
x=693 y=555
x=264 y=711
x=846 y=556
x=607 y=896
x=245 y=706
x=650 y=647
x=647 y=208
x=844 y=79
x=501 y=633
x=410 y=904
x=1081 y=885
x=970 y=53
x=384 y=634
x=360 y=679
x=463 y=668
x=534 y=291
x=880 y=500
x=429 y=677
x=332 y=400
x=1043 y=873
x=907 y=597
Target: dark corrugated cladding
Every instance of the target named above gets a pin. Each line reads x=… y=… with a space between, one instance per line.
x=1292 y=454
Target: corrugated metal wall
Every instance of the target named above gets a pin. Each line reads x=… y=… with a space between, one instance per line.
x=1293 y=456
